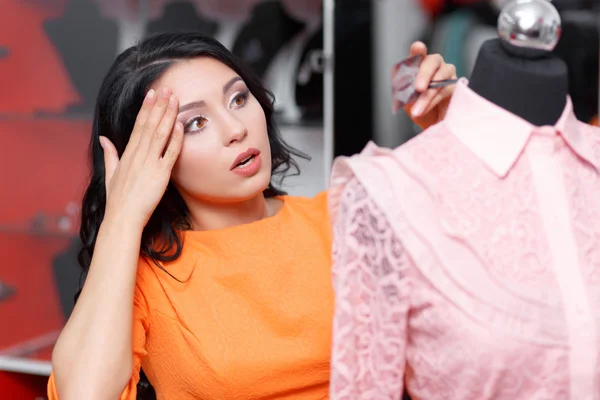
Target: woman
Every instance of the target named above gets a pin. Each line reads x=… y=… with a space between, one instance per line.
x=232 y=294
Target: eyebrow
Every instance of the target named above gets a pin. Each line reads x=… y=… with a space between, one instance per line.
x=202 y=103
x=231 y=82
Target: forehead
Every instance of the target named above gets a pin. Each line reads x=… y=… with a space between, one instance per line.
x=196 y=78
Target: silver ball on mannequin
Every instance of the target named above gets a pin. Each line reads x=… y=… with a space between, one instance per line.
x=529 y=28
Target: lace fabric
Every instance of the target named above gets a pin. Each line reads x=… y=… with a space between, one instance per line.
x=460 y=281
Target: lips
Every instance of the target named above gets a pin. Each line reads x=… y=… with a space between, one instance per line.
x=244 y=157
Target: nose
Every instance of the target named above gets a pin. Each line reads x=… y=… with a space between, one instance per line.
x=234 y=130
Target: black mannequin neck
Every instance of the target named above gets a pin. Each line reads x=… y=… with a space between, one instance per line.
x=530 y=86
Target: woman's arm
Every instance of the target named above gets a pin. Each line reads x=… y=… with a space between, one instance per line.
x=93 y=358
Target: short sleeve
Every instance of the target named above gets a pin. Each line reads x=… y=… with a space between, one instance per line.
x=322 y=203
x=371 y=306
x=140 y=328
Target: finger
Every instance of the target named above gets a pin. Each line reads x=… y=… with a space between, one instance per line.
x=417 y=48
x=153 y=120
x=142 y=116
x=163 y=132
x=174 y=147
x=111 y=159
x=425 y=98
x=438 y=98
x=429 y=67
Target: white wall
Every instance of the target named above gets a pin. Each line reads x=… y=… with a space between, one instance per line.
x=311 y=179
x=396 y=24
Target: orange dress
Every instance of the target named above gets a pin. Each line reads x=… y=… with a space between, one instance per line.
x=252 y=318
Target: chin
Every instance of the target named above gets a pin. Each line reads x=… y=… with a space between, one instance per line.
x=254 y=186
x=248 y=188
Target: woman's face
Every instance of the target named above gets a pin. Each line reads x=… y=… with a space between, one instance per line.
x=226 y=155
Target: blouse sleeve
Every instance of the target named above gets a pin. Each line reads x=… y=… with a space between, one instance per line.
x=140 y=328
x=369 y=338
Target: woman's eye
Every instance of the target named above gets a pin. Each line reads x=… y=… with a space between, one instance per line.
x=196 y=124
x=240 y=100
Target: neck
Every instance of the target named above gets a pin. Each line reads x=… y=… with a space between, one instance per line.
x=534 y=89
x=213 y=215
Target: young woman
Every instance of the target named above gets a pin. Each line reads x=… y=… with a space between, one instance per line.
x=200 y=270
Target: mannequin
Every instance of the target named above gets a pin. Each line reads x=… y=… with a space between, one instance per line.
x=295 y=63
x=267 y=32
x=231 y=14
x=533 y=88
x=522 y=77
x=71 y=34
x=471 y=240
x=129 y=15
x=182 y=16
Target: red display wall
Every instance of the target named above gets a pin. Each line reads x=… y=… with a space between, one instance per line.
x=43 y=144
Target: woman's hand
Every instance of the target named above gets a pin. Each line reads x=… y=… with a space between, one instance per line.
x=431 y=105
x=136 y=183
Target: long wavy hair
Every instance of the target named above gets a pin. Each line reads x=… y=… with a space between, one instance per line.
x=118 y=103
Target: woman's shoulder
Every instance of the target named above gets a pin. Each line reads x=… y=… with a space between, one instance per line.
x=319 y=207
x=311 y=211
x=315 y=206
x=144 y=280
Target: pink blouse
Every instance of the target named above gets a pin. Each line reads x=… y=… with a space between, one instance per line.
x=467 y=261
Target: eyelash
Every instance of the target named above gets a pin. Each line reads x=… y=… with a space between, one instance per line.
x=244 y=96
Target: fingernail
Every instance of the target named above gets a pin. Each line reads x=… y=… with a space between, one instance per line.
x=417 y=109
x=165 y=92
x=150 y=94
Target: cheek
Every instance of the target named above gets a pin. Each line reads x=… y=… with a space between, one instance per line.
x=256 y=123
x=198 y=162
